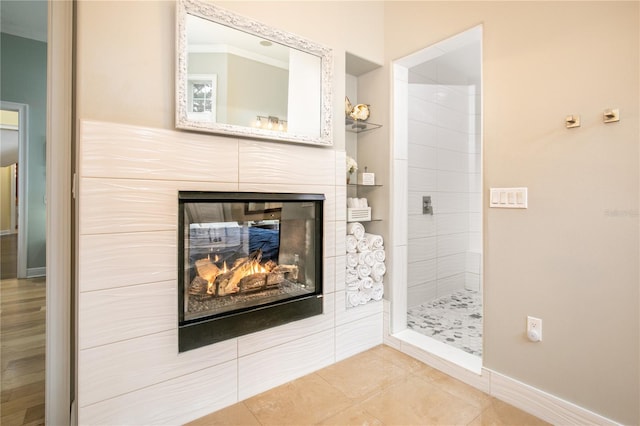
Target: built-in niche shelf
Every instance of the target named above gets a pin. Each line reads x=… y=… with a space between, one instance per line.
x=365 y=262
x=358 y=126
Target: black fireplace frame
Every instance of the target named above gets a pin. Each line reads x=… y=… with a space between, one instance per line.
x=211 y=329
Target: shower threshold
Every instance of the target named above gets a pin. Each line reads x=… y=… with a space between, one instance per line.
x=449 y=353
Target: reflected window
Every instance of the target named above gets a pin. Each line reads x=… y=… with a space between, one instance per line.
x=202 y=91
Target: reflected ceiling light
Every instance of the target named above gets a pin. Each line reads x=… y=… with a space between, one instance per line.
x=270 y=123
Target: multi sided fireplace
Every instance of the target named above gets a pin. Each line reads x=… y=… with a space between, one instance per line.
x=246 y=262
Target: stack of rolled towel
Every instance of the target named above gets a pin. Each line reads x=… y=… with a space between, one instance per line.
x=365 y=265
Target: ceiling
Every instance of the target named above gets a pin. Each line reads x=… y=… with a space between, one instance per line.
x=24 y=18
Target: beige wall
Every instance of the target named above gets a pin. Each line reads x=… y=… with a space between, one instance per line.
x=126 y=54
x=571 y=258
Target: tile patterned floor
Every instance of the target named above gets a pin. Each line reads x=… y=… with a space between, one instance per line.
x=455 y=319
x=381 y=386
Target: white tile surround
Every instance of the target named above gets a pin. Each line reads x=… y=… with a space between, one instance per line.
x=129 y=368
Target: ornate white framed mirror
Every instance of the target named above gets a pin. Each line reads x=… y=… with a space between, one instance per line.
x=239 y=77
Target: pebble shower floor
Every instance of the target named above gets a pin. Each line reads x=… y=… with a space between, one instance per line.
x=455 y=319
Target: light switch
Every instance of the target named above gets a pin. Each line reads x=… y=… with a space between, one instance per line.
x=509 y=198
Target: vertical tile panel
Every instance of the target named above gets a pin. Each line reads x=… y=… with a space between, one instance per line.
x=108 y=316
x=133 y=152
x=422 y=226
x=422 y=156
x=421 y=249
x=358 y=336
x=340 y=269
x=107 y=371
x=329 y=275
x=132 y=205
x=118 y=260
x=272 y=367
x=272 y=162
x=423 y=180
x=422 y=271
x=422 y=293
x=266 y=339
x=170 y=402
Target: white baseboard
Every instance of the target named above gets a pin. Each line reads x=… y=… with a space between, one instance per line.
x=542 y=404
x=36 y=272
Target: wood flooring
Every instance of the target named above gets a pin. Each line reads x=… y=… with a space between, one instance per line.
x=22 y=351
x=9 y=258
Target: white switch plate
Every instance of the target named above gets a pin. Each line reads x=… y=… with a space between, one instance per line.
x=508 y=198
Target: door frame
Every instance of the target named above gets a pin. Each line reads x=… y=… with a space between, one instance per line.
x=23 y=181
x=60 y=340
x=400 y=203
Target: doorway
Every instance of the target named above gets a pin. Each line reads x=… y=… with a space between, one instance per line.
x=438 y=191
x=14 y=120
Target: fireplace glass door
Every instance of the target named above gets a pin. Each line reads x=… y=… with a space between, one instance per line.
x=247 y=261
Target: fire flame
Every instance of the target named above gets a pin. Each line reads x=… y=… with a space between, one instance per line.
x=212 y=273
x=256 y=268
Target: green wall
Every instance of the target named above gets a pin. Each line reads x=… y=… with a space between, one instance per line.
x=23 y=79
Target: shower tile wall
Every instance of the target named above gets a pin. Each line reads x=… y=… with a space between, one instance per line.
x=444 y=162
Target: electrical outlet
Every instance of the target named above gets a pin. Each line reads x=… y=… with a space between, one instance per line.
x=534 y=329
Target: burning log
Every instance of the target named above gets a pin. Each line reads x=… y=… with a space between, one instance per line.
x=275 y=278
x=228 y=283
x=270 y=265
x=198 y=286
x=292 y=270
x=207 y=270
x=246 y=274
x=253 y=282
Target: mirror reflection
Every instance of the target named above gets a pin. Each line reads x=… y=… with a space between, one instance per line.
x=243 y=78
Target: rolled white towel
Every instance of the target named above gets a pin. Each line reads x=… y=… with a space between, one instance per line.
x=351 y=243
x=378 y=292
x=356 y=229
x=353 y=259
x=366 y=283
x=363 y=271
x=374 y=241
x=366 y=258
x=365 y=297
x=379 y=255
x=362 y=246
x=378 y=269
x=353 y=298
x=351 y=275
x=354 y=286
x=377 y=279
